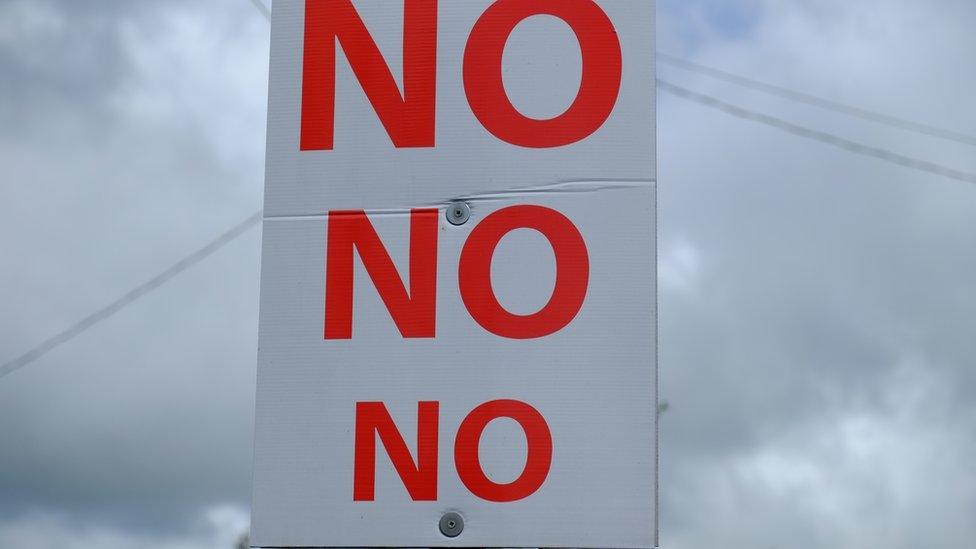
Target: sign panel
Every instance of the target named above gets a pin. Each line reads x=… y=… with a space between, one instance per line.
x=458 y=298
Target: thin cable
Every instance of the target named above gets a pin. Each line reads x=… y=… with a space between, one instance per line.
x=134 y=294
x=816 y=135
x=809 y=99
x=261 y=7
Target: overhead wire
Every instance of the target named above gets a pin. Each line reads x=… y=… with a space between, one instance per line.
x=817 y=135
x=263 y=8
x=129 y=297
x=809 y=99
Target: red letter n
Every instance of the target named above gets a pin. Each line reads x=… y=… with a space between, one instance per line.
x=420 y=479
x=408 y=119
x=414 y=314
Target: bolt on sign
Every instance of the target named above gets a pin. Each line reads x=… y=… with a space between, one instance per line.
x=458 y=299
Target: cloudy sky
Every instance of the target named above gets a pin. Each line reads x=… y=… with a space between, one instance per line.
x=817 y=332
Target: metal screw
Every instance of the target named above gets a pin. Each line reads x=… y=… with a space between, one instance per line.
x=452 y=524
x=458 y=213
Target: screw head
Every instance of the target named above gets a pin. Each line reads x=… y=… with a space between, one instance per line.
x=452 y=524
x=458 y=213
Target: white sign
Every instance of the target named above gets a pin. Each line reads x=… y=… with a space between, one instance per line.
x=458 y=303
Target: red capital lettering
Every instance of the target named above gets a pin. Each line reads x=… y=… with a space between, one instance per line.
x=572 y=272
x=408 y=119
x=414 y=314
x=598 y=89
x=537 y=462
x=420 y=479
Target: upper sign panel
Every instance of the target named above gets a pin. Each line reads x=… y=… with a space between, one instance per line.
x=440 y=100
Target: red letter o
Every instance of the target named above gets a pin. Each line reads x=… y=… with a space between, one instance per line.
x=537 y=462
x=572 y=272
x=599 y=86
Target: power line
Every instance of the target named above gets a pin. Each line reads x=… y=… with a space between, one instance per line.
x=134 y=294
x=864 y=114
x=816 y=135
x=261 y=7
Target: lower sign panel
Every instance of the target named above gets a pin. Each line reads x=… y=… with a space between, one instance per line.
x=490 y=383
